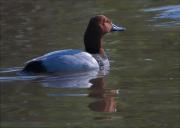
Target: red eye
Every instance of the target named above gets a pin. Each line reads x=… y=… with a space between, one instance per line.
x=104 y=20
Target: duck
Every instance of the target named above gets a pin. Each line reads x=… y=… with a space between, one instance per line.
x=72 y=60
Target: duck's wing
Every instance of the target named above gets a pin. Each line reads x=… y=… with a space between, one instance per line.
x=66 y=60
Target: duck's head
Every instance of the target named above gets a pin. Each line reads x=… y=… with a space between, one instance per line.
x=97 y=27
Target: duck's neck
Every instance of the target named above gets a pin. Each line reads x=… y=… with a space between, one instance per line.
x=93 y=43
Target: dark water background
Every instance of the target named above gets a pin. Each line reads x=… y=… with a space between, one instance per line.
x=142 y=88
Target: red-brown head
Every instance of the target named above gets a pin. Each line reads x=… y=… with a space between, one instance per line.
x=97 y=27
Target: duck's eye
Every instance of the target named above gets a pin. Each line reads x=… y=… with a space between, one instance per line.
x=108 y=21
x=104 y=20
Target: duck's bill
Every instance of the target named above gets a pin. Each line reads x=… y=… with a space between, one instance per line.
x=117 y=28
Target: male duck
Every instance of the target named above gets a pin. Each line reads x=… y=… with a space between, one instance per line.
x=93 y=57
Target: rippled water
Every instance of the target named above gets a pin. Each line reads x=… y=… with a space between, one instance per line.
x=169 y=16
x=141 y=89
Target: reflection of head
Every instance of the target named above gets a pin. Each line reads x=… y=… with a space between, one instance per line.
x=97 y=90
x=104 y=105
x=98 y=83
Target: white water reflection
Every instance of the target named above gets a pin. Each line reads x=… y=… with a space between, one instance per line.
x=75 y=80
x=168 y=16
x=170 y=12
x=60 y=80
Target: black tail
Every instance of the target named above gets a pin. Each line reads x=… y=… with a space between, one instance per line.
x=34 y=67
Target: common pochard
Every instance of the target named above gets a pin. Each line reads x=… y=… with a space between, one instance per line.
x=93 y=58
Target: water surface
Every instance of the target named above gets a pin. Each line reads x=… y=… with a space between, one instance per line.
x=141 y=89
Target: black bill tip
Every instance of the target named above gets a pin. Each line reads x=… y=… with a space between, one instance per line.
x=117 y=28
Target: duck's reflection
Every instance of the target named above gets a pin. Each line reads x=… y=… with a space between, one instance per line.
x=105 y=99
